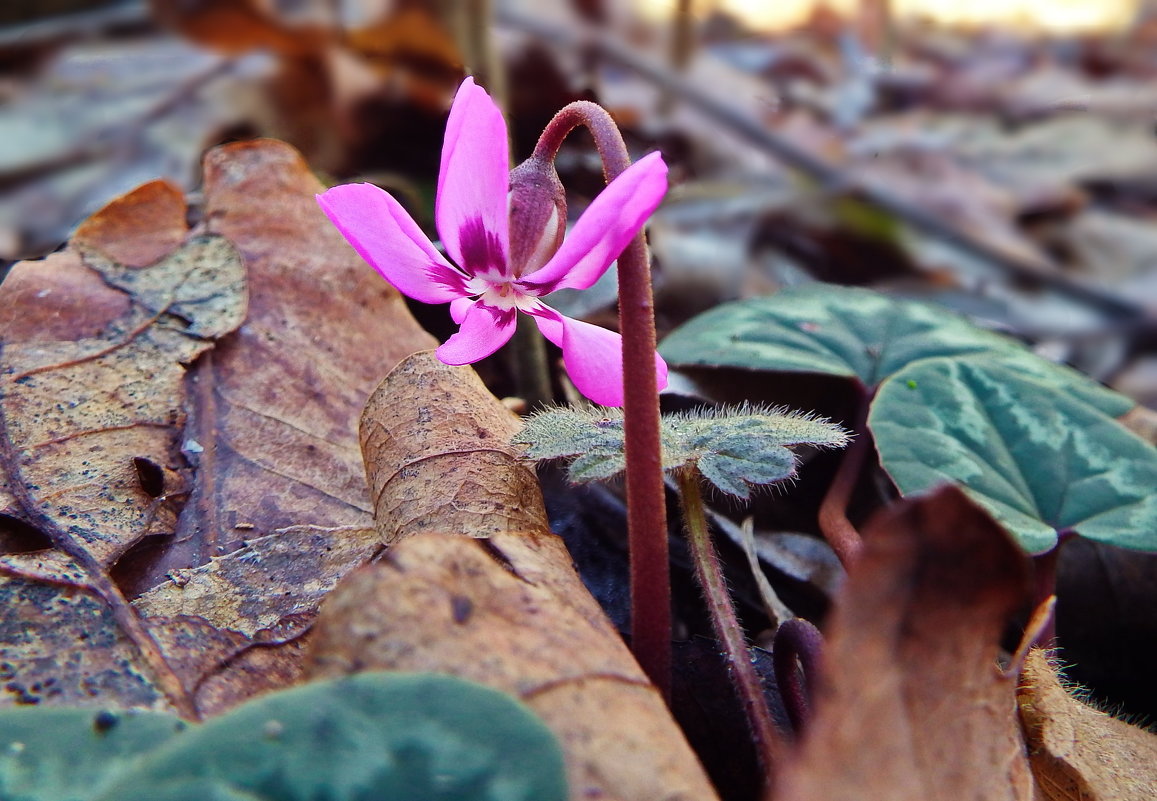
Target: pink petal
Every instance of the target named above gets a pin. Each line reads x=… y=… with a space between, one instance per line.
x=474 y=179
x=384 y=235
x=593 y=356
x=459 y=307
x=605 y=228
x=484 y=330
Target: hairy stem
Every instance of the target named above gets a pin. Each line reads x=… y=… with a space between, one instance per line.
x=796 y=655
x=646 y=501
x=833 y=517
x=710 y=576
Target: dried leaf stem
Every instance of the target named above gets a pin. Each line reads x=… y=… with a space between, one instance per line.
x=710 y=576
x=646 y=502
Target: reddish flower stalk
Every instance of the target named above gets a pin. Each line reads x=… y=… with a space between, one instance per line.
x=796 y=655
x=646 y=501
x=833 y=515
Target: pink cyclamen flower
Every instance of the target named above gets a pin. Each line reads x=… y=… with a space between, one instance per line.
x=485 y=288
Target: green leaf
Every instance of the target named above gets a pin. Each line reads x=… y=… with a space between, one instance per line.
x=856 y=333
x=735 y=474
x=733 y=448
x=1039 y=460
x=369 y=737
x=71 y=754
x=563 y=431
x=597 y=465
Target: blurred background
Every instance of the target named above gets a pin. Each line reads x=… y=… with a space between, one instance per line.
x=996 y=156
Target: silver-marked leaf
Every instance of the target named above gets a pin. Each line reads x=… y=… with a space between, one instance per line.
x=733 y=448
x=560 y=432
x=856 y=333
x=369 y=737
x=597 y=466
x=735 y=475
x=1039 y=460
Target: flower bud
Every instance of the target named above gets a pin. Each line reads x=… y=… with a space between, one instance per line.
x=537 y=205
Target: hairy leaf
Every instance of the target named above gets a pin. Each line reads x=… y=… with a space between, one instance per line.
x=734 y=449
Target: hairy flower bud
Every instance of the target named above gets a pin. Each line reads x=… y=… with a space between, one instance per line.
x=537 y=215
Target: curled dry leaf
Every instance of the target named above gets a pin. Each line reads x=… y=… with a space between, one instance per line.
x=1076 y=751
x=475 y=584
x=438 y=456
x=177 y=422
x=911 y=703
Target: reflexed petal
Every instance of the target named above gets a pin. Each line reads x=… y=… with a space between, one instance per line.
x=593 y=356
x=384 y=235
x=473 y=182
x=484 y=330
x=605 y=228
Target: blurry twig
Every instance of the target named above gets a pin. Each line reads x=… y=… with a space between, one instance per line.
x=67 y=27
x=121 y=134
x=682 y=45
x=830 y=177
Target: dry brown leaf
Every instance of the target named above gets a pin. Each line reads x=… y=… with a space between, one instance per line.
x=507 y=609
x=235 y=27
x=911 y=704
x=77 y=412
x=183 y=425
x=1078 y=752
x=139 y=228
x=440 y=459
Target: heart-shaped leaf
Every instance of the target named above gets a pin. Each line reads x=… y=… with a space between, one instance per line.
x=1040 y=461
x=857 y=333
x=379 y=736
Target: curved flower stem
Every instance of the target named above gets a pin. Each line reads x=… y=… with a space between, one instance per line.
x=797 y=639
x=768 y=743
x=646 y=500
x=833 y=517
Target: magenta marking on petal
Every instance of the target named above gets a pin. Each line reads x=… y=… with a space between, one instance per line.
x=450 y=279
x=482 y=250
